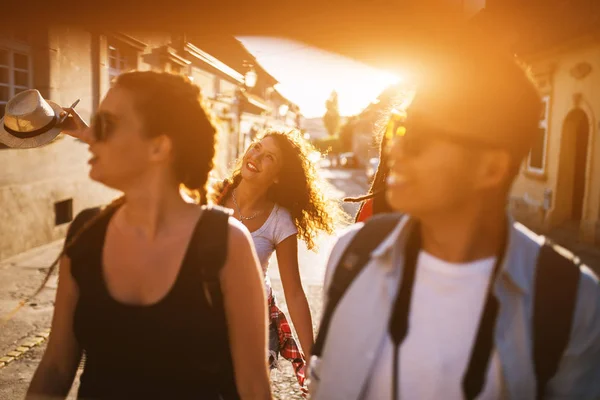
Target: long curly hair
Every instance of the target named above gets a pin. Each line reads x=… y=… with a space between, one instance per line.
x=301 y=189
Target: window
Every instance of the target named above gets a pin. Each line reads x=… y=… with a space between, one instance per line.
x=63 y=212
x=15 y=72
x=121 y=58
x=537 y=157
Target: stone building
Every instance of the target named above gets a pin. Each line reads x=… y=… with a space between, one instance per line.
x=558 y=188
x=42 y=189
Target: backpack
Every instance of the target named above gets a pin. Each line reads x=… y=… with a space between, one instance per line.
x=554 y=305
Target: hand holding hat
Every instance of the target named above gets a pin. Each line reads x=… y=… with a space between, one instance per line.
x=31 y=121
x=73 y=124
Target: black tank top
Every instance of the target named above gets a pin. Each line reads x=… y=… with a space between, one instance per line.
x=175 y=349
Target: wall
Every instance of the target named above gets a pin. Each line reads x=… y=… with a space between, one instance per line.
x=146 y=61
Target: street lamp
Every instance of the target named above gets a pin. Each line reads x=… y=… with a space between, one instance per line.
x=250 y=78
x=283 y=110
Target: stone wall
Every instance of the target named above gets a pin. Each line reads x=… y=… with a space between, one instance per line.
x=33 y=181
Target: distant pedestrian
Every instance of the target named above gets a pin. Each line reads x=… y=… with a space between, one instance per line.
x=375 y=201
x=455 y=300
x=276 y=191
x=163 y=297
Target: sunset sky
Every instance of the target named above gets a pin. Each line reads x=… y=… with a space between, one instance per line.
x=307 y=75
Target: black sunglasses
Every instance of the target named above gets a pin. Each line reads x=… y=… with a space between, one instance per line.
x=395 y=126
x=102 y=126
x=414 y=143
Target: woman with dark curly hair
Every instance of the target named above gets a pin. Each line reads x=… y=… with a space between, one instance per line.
x=164 y=297
x=276 y=191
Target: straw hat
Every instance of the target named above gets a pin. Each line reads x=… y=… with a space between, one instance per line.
x=30 y=121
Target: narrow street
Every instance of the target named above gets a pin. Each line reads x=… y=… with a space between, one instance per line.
x=20 y=338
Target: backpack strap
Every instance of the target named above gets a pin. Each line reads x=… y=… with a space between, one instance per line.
x=79 y=222
x=556 y=286
x=353 y=260
x=213 y=249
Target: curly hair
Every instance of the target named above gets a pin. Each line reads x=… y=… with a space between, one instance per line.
x=301 y=190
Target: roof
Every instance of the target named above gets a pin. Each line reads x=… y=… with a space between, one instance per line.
x=194 y=52
x=291 y=104
x=231 y=52
x=386 y=35
x=256 y=101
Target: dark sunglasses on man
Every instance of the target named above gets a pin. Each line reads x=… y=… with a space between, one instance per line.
x=416 y=139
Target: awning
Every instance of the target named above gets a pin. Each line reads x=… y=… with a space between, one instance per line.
x=256 y=101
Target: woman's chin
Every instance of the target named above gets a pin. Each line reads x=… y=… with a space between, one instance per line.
x=97 y=177
x=248 y=175
x=94 y=175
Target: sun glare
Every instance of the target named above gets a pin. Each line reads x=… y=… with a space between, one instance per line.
x=308 y=75
x=314 y=157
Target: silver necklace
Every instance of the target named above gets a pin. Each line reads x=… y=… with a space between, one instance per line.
x=242 y=218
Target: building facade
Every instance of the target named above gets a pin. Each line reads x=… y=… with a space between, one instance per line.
x=559 y=184
x=42 y=189
x=558 y=188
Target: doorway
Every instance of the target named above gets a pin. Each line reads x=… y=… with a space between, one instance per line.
x=578 y=123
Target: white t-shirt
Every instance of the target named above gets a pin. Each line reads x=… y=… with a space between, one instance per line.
x=446 y=306
x=278 y=227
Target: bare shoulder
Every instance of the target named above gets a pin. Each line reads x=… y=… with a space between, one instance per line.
x=240 y=249
x=239 y=242
x=238 y=231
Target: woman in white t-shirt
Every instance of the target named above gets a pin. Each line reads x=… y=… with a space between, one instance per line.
x=276 y=192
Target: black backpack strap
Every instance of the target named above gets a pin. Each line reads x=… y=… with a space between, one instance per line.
x=214 y=250
x=353 y=260
x=211 y=242
x=80 y=220
x=556 y=286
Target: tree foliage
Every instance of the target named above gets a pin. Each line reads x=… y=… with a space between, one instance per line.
x=332 y=118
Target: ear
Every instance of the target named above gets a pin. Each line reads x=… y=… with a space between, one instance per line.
x=494 y=169
x=161 y=148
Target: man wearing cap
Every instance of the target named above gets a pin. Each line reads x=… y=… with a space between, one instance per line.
x=444 y=306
